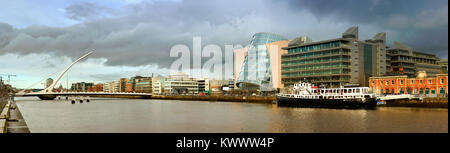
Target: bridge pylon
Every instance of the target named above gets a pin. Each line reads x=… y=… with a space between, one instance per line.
x=50 y=88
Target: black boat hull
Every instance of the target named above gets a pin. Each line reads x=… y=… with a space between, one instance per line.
x=369 y=103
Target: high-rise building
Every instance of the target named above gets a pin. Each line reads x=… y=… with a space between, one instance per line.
x=335 y=62
x=404 y=60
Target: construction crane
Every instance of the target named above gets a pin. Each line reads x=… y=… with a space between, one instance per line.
x=9 y=77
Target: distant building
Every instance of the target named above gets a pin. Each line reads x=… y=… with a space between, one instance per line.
x=144 y=85
x=81 y=86
x=111 y=86
x=404 y=60
x=123 y=84
x=180 y=83
x=444 y=66
x=48 y=82
x=421 y=85
x=96 y=88
x=158 y=85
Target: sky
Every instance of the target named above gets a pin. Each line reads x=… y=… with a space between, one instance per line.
x=134 y=37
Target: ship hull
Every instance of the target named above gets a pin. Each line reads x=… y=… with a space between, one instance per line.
x=369 y=103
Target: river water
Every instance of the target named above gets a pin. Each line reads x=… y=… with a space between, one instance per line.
x=138 y=115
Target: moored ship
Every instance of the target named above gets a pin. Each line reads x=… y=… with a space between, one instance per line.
x=305 y=94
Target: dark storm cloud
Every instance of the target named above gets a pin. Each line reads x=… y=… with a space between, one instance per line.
x=418 y=23
x=87 y=11
x=143 y=33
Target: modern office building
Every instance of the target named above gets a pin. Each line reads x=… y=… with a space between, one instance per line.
x=111 y=86
x=403 y=60
x=81 y=86
x=421 y=85
x=255 y=66
x=123 y=84
x=144 y=85
x=158 y=85
x=180 y=83
x=335 y=62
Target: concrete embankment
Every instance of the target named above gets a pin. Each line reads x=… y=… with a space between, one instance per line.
x=11 y=120
x=252 y=99
x=425 y=103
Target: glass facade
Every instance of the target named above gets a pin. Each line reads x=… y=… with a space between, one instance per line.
x=326 y=63
x=256 y=68
x=368 y=67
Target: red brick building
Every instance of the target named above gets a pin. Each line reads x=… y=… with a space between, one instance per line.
x=96 y=88
x=420 y=85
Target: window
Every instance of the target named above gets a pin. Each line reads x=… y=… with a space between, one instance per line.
x=442 y=81
x=401 y=81
x=392 y=82
x=412 y=81
x=420 y=81
x=430 y=81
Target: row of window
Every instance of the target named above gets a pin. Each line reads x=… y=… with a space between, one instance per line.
x=414 y=91
x=315 y=72
x=315 y=47
x=429 y=81
x=317 y=60
x=315 y=54
x=317 y=66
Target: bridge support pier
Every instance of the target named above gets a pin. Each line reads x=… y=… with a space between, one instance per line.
x=47 y=97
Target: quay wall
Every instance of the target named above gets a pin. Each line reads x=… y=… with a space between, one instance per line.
x=435 y=102
x=252 y=99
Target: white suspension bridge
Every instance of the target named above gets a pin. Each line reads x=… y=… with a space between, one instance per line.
x=50 y=94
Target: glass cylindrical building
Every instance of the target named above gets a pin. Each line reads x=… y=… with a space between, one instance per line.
x=256 y=70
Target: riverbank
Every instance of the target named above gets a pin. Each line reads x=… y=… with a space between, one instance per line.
x=425 y=103
x=11 y=119
x=251 y=99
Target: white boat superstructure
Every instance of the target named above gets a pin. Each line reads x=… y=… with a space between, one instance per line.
x=309 y=91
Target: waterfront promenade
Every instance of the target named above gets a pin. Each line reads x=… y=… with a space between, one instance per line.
x=11 y=119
